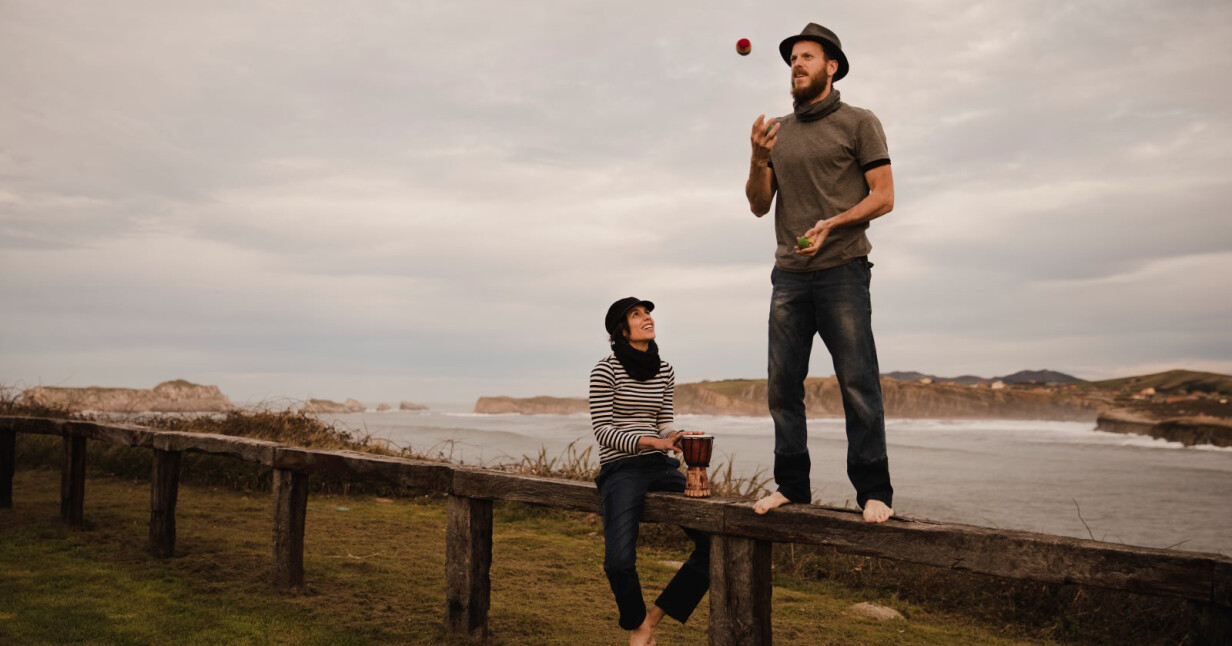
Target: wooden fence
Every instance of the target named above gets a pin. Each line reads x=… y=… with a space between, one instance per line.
x=740 y=581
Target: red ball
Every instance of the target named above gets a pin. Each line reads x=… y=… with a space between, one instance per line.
x=743 y=47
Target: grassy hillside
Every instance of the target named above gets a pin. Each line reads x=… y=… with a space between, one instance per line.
x=1172 y=381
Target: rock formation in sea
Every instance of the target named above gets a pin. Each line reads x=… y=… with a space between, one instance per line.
x=411 y=406
x=1190 y=431
x=332 y=407
x=176 y=396
x=382 y=407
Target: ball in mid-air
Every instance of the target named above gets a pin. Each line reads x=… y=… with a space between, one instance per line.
x=743 y=47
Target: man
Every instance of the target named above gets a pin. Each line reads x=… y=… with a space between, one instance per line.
x=828 y=164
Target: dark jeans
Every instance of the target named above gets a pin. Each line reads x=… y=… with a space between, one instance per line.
x=622 y=488
x=835 y=304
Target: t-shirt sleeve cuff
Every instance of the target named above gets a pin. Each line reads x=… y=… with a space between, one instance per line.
x=884 y=161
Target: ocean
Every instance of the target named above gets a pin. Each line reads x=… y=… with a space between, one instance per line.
x=1061 y=478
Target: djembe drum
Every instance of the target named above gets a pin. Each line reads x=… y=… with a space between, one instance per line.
x=697 y=450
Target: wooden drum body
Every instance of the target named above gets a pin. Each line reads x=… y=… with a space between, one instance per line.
x=696 y=450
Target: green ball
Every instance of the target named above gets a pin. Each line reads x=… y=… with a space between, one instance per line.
x=804 y=242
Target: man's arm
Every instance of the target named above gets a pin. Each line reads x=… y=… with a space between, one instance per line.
x=761 y=187
x=878 y=202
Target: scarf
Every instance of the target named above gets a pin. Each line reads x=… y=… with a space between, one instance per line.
x=819 y=110
x=640 y=365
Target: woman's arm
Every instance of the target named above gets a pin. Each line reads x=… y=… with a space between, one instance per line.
x=667 y=417
x=602 y=391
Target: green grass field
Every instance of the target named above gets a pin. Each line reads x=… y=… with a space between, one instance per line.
x=375 y=572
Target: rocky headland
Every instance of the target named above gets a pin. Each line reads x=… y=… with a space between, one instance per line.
x=531 y=405
x=411 y=406
x=747 y=397
x=319 y=406
x=1190 y=431
x=176 y=396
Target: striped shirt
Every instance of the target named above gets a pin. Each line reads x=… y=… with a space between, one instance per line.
x=623 y=409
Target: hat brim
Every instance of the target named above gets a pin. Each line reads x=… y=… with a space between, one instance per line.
x=831 y=50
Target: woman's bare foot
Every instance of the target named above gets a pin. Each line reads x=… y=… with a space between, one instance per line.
x=773 y=501
x=876 y=511
x=643 y=635
x=654 y=616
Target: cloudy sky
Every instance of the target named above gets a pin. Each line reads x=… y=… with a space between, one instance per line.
x=438 y=200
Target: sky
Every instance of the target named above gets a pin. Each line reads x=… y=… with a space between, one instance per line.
x=435 y=201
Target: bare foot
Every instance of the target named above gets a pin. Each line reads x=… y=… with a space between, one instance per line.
x=643 y=635
x=654 y=616
x=773 y=501
x=877 y=512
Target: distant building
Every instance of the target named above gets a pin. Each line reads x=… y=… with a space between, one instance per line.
x=998 y=385
x=926 y=380
x=1146 y=392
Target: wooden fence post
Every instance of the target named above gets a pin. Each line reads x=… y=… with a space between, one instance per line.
x=73 y=481
x=290 y=509
x=468 y=557
x=8 y=465
x=740 y=584
x=164 y=489
x=1213 y=626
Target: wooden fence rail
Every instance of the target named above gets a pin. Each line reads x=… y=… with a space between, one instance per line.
x=740 y=589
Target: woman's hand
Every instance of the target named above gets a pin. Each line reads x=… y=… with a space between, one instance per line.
x=658 y=444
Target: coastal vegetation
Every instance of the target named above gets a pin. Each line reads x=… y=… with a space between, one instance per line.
x=993 y=608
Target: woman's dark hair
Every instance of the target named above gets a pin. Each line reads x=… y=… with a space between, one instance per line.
x=621 y=333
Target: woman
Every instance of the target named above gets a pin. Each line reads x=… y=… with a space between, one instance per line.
x=631 y=410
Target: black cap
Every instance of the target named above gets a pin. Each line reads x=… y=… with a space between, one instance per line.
x=826 y=38
x=620 y=309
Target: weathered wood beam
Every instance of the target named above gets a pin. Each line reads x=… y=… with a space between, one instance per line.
x=740 y=586
x=365 y=467
x=164 y=489
x=468 y=558
x=34 y=425
x=73 y=481
x=240 y=448
x=122 y=434
x=8 y=466
x=474 y=482
x=998 y=552
x=290 y=511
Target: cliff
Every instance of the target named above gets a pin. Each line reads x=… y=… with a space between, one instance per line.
x=747 y=397
x=901 y=398
x=332 y=408
x=1202 y=429
x=176 y=396
x=531 y=405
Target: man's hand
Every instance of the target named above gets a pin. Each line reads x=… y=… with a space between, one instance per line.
x=818 y=235
x=763 y=140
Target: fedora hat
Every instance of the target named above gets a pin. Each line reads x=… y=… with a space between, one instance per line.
x=826 y=38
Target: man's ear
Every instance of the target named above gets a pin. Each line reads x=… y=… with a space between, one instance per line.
x=831 y=67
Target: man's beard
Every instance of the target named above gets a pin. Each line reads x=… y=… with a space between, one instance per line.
x=811 y=90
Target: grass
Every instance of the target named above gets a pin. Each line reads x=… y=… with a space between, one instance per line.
x=1068 y=614
x=375 y=576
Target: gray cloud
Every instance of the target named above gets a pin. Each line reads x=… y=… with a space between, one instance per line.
x=360 y=202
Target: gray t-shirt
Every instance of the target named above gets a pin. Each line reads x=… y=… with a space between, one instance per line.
x=820 y=166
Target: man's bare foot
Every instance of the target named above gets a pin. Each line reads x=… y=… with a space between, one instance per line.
x=876 y=511
x=773 y=501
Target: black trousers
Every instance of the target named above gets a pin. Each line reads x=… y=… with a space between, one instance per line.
x=622 y=489
x=835 y=304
